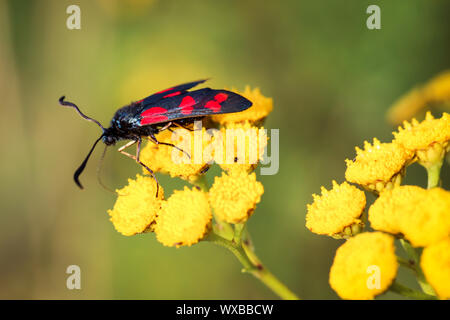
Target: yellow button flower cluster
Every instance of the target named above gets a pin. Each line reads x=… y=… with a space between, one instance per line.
x=136 y=207
x=159 y=157
x=359 y=257
x=378 y=166
x=435 y=263
x=234 y=196
x=420 y=217
x=436 y=91
x=429 y=139
x=381 y=165
x=186 y=217
x=336 y=212
x=255 y=144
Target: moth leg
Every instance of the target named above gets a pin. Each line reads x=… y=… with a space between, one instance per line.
x=154 y=140
x=181 y=126
x=129 y=144
x=167 y=126
x=186 y=128
x=136 y=158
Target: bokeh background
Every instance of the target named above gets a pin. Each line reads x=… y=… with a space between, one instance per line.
x=332 y=81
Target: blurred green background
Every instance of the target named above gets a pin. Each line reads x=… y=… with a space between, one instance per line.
x=332 y=81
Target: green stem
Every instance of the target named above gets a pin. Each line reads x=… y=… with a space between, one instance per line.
x=201 y=182
x=410 y=251
x=274 y=284
x=250 y=251
x=223 y=229
x=247 y=242
x=434 y=172
x=410 y=293
x=415 y=265
x=238 y=251
x=225 y=236
x=238 y=230
x=407 y=263
x=253 y=266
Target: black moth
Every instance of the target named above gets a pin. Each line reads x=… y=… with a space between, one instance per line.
x=173 y=107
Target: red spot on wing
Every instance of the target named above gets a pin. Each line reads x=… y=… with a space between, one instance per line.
x=221 y=97
x=214 y=105
x=172 y=94
x=187 y=105
x=153 y=115
x=140 y=101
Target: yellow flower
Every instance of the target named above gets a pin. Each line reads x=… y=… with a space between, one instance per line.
x=259 y=110
x=234 y=196
x=364 y=266
x=384 y=214
x=437 y=90
x=167 y=159
x=422 y=216
x=429 y=139
x=336 y=212
x=435 y=263
x=378 y=166
x=429 y=220
x=184 y=219
x=407 y=106
x=136 y=206
x=242 y=146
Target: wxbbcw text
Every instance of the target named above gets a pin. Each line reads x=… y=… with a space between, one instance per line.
x=246 y=309
x=230 y=309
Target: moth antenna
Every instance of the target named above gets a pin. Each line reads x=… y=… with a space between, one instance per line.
x=83 y=164
x=73 y=105
x=99 y=167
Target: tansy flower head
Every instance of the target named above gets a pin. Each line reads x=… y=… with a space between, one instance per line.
x=378 y=166
x=137 y=206
x=234 y=196
x=429 y=139
x=336 y=212
x=184 y=218
x=259 y=110
x=407 y=106
x=243 y=146
x=437 y=90
x=422 y=216
x=359 y=258
x=435 y=263
x=384 y=212
x=167 y=159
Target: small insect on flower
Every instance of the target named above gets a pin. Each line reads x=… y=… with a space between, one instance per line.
x=173 y=107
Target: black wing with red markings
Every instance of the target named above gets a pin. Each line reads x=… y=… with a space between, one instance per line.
x=196 y=103
x=167 y=93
